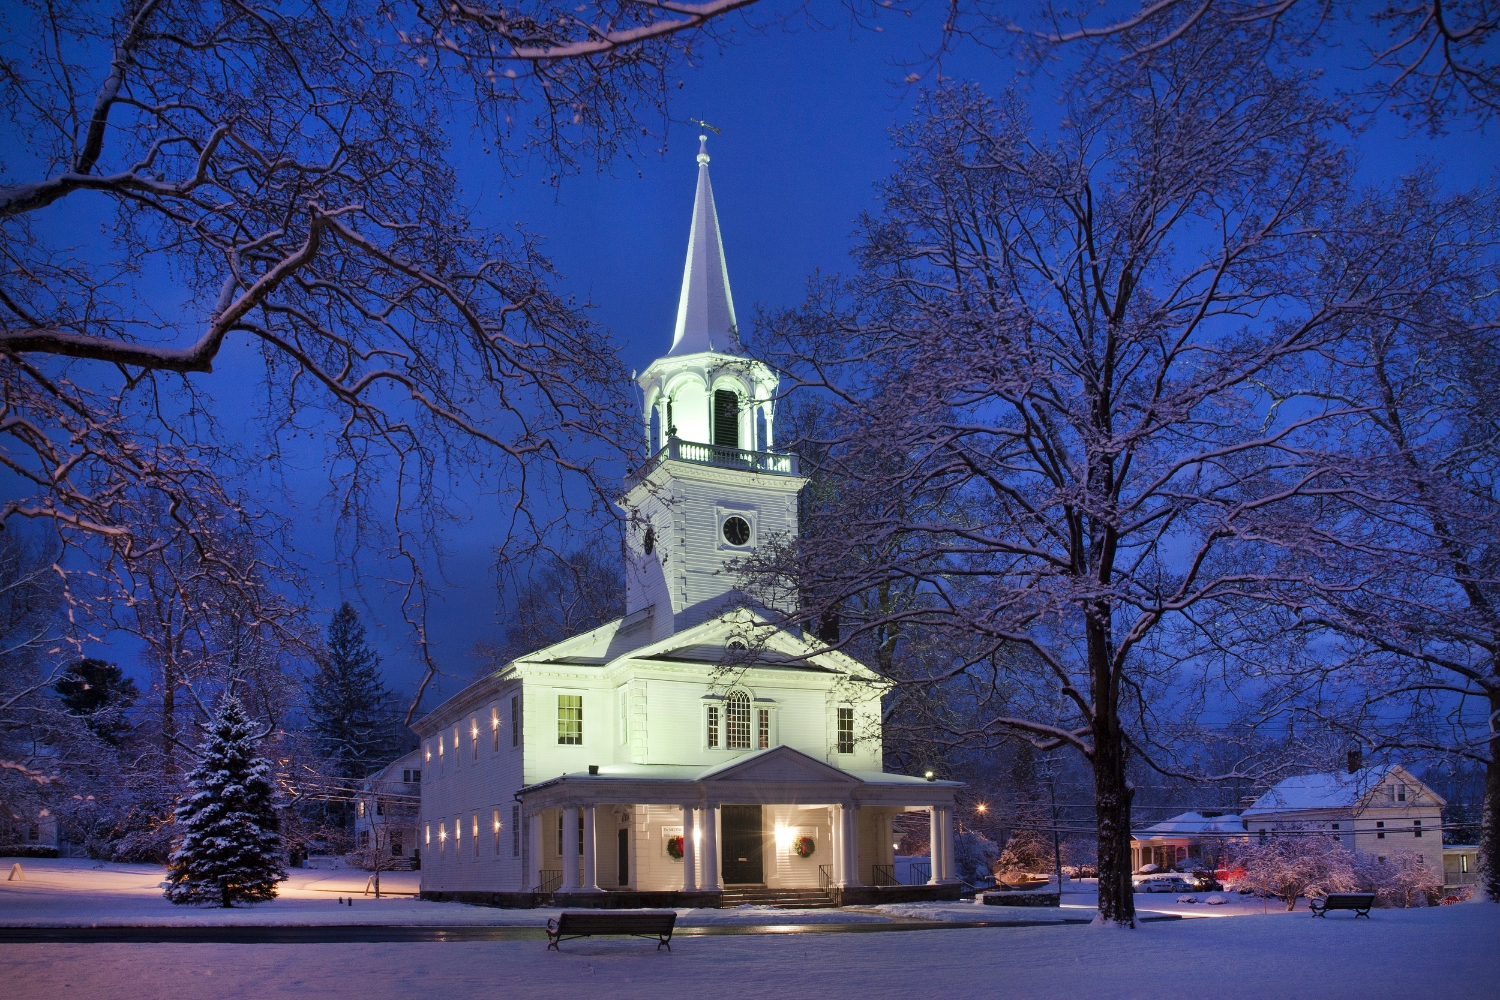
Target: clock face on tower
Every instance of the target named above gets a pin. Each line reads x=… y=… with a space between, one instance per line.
x=736 y=530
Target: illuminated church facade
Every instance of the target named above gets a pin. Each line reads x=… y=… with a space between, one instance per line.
x=690 y=752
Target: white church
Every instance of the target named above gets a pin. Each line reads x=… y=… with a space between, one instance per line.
x=689 y=753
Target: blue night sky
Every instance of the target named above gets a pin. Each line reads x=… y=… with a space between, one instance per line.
x=805 y=116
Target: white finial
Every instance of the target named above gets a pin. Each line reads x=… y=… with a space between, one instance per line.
x=703 y=149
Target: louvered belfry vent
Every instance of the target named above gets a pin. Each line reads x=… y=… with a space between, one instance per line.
x=726 y=418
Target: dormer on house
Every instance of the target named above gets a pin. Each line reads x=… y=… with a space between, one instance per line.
x=690 y=749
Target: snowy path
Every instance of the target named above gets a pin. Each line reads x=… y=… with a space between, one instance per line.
x=1447 y=952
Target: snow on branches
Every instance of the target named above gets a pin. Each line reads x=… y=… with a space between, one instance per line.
x=231 y=850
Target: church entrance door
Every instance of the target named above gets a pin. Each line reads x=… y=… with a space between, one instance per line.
x=744 y=842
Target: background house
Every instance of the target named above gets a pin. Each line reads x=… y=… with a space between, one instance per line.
x=386 y=812
x=1202 y=838
x=1377 y=810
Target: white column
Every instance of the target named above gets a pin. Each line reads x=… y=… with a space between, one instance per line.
x=569 y=849
x=534 y=855
x=711 y=848
x=836 y=834
x=947 y=845
x=689 y=852
x=590 y=852
x=934 y=840
x=851 y=845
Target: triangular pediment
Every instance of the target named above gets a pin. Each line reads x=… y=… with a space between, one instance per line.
x=780 y=764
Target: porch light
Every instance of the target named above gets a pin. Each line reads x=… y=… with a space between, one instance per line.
x=783 y=837
x=926 y=774
x=981 y=808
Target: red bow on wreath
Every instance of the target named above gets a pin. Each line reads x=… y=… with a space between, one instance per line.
x=675 y=848
x=804 y=846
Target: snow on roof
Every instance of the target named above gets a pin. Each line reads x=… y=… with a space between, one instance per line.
x=1192 y=822
x=1319 y=791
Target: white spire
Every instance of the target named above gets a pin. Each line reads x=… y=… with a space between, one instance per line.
x=705 y=312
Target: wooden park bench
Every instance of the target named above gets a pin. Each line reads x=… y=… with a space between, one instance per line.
x=1359 y=902
x=586 y=923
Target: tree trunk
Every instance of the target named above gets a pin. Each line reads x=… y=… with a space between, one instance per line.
x=1112 y=795
x=1489 y=816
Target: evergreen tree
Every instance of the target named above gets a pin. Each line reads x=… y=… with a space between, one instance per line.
x=231 y=848
x=99 y=693
x=349 y=705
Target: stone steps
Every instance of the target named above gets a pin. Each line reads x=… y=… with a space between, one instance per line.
x=786 y=899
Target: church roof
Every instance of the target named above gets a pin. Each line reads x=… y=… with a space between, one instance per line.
x=705 y=310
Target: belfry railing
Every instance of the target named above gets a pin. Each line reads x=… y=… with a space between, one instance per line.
x=777 y=463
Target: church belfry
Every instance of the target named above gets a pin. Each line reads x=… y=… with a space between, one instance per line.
x=713 y=488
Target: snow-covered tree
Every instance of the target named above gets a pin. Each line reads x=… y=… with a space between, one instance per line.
x=1026 y=850
x=230 y=851
x=1401 y=878
x=974 y=856
x=1296 y=864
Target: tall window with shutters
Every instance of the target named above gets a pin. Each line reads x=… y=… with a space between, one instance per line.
x=494 y=729
x=713 y=727
x=763 y=729
x=515 y=720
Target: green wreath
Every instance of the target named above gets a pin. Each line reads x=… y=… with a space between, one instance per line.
x=675 y=848
x=804 y=847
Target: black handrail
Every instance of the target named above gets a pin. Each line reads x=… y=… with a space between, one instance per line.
x=921 y=871
x=884 y=875
x=551 y=880
x=825 y=877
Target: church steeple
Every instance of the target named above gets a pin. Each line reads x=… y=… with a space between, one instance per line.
x=713 y=488
x=705 y=309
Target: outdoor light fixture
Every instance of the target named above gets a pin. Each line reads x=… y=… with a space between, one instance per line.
x=982 y=807
x=593 y=769
x=928 y=775
x=783 y=836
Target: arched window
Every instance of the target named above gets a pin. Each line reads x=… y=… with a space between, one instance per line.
x=737 y=720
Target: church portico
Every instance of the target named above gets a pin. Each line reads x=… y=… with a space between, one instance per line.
x=776 y=820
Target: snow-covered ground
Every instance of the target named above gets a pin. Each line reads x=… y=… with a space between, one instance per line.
x=77 y=892
x=71 y=892
x=1447 y=952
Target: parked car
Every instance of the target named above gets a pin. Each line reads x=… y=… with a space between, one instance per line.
x=1203 y=881
x=1165 y=883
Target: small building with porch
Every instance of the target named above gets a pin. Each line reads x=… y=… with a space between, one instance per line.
x=1203 y=838
x=691 y=752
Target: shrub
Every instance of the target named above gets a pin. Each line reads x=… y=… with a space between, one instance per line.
x=27 y=851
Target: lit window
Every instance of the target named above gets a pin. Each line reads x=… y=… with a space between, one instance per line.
x=442 y=838
x=1380 y=830
x=713 y=726
x=570 y=720
x=515 y=721
x=361 y=810
x=476 y=835
x=497 y=833
x=764 y=727
x=427 y=830
x=458 y=835
x=1463 y=863
x=429 y=752
x=441 y=758
x=495 y=728
x=846 y=730
x=737 y=720
x=474 y=736
x=515 y=831
x=455 y=747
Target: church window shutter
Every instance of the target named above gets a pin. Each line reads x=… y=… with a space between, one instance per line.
x=726 y=418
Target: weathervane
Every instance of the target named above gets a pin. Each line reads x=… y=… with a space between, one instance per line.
x=704 y=124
